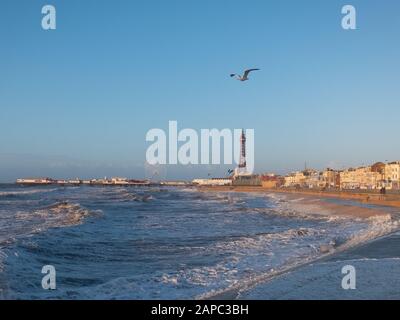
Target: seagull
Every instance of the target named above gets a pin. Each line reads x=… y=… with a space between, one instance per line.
x=245 y=76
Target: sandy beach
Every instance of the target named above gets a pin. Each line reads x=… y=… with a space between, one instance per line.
x=389 y=200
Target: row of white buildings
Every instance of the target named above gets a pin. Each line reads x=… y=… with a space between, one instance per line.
x=376 y=176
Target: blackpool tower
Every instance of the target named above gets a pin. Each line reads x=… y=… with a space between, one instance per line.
x=241 y=170
x=242 y=162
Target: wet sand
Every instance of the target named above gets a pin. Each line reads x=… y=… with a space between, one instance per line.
x=315 y=204
x=372 y=205
x=392 y=200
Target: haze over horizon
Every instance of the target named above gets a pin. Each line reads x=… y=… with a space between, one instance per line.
x=78 y=101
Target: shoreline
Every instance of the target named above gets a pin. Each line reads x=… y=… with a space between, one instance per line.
x=314 y=203
x=388 y=200
x=321 y=279
x=342 y=255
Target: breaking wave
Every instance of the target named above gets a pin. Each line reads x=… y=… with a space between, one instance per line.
x=184 y=244
x=56 y=215
x=378 y=226
x=28 y=223
x=25 y=192
x=123 y=195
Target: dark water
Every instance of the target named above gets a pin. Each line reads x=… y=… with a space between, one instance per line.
x=153 y=243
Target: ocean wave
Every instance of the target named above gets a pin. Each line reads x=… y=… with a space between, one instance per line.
x=298 y=213
x=246 y=258
x=377 y=226
x=55 y=215
x=218 y=198
x=25 y=192
x=128 y=197
x=138 y=198
x=265 y=240
x=210 y=243
x=123 y=195
x=295 y=208
x=25 y=223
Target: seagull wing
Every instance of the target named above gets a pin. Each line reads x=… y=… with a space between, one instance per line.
x=246 y=73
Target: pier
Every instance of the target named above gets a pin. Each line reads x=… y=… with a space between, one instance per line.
x=77 y=182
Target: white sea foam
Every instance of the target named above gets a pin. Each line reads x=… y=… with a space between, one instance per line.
x=352 y=232
x=378 y=226
x=56 y=215
x=122 y=195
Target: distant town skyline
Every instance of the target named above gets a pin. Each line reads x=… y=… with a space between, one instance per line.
x=78 y=101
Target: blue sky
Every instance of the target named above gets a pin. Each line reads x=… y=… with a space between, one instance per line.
x=78 y=101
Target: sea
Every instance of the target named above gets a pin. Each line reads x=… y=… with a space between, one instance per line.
x=162 y=242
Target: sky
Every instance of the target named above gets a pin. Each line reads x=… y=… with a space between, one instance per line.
x=78 y=101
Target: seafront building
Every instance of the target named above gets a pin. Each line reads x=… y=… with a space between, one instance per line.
x=365 y=178
x=331 y=178
x=295 y=179
x=314 y=179
x=376 y=176
x=392 y=175
x=272 y=181
x=120 y=181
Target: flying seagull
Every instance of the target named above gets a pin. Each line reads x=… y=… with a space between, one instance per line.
x=245 y=76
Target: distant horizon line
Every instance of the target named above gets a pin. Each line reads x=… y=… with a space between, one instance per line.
x=189 y=179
